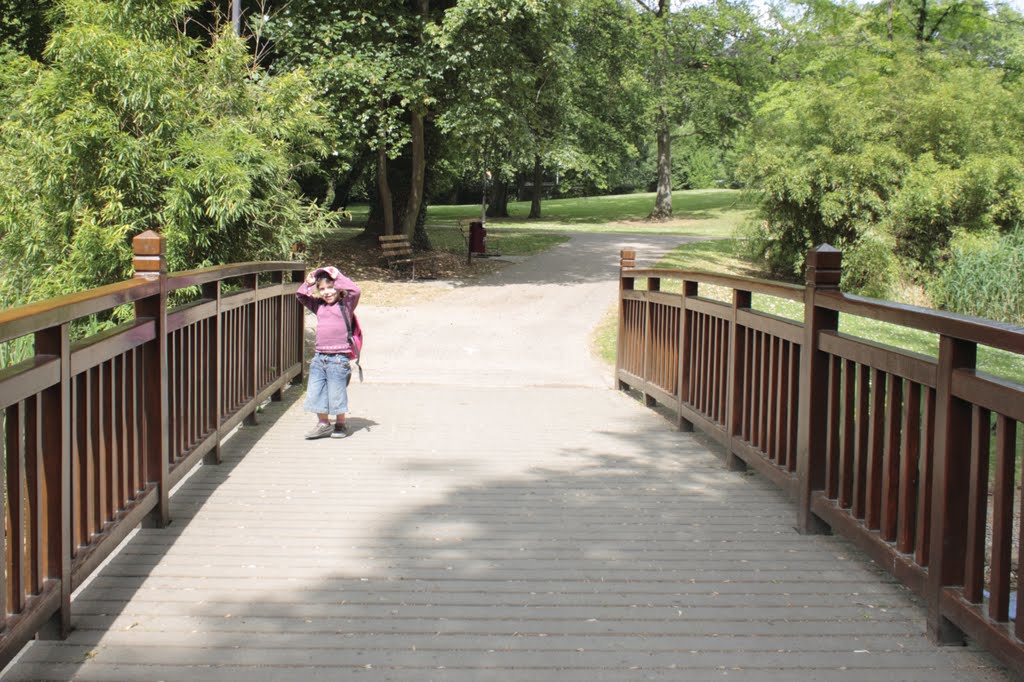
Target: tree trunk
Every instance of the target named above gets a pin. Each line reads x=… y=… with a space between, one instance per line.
x=663 y=199
x=418 y=170
x=538 y=187
x=497 y=207
x=384 y=190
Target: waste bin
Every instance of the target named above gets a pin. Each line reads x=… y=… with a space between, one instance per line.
x=477 y=237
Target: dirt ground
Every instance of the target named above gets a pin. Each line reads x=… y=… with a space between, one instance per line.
x=360 y=259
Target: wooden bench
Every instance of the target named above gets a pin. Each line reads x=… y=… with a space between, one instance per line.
x=398 y=253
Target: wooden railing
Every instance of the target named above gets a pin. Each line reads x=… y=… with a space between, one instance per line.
x=889 y=448
x=96 y=432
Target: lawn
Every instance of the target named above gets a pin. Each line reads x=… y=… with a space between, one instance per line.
x=706 y=213
x=710 y=213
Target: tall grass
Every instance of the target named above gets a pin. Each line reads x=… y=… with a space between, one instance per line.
x=985 y=277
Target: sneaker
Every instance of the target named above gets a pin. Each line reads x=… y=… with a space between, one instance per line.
x=321 y=430
x=340 y=432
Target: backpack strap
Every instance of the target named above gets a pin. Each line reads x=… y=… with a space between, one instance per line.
x=351 y=342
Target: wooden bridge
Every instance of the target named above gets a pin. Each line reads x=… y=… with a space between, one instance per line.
x=499 y=528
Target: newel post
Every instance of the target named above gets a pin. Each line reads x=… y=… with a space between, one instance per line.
x=627 y=261
x=951 y=472
x=54 y=473
x=824 y=270
x=150 y=263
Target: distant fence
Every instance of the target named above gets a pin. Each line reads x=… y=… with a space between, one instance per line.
x=912 y=458
x=96 y=432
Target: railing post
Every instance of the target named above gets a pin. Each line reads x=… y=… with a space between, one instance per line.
x=951 y=471
x=149 y=263
x=824 y=270
x=627 y=260
x=690 y=288
x=653 y=284
x=300 y=339
x=55 y=507
x=215 y=374
x=277 y=278
x=741 y=300
x=253 y=332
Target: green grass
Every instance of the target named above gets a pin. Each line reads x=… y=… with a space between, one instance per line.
x=710 y=213
x=724 y=257
x=450 y=239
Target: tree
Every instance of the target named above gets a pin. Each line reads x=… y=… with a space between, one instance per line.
x=531 y=89
x=131 y=125
x=706 y=64
x=886 y=150
x=376 y=64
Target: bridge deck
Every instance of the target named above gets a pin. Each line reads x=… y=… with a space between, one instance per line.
x=479 y=528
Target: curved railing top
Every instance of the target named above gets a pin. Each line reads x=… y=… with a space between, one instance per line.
x=1005 y=336
x=53 y=312
x=33 y=317
x=199 y=276
x=1001 y=335
x=758 y=286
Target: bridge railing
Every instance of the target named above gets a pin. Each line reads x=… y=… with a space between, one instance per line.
x=911 y=457
x=97 y=431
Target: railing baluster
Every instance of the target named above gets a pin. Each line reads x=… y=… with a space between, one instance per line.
x=1002 y=518
x=16 y=526
x=876 y=451
x=909 y=465
x=891 y=459
x=925 y=490
x=977 y=506
x=848 y=467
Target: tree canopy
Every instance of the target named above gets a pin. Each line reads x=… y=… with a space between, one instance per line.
x=891 y=129
x=127 y=125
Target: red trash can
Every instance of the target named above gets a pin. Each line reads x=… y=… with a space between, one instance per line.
x=477 y=237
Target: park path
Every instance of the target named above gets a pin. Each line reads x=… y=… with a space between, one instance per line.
x=499 y=513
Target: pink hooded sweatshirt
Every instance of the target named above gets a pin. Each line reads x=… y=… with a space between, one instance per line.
x=332 y=320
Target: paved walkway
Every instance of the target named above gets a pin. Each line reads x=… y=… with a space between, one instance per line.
x=500 y=513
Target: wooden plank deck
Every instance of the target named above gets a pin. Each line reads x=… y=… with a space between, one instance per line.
x=560 y=533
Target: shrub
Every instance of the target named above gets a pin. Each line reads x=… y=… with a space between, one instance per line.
x=132 y=125
x=984 y=276
x=870 y=268
x=911 y=145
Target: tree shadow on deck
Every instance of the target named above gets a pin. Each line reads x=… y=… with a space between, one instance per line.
x=623 y=553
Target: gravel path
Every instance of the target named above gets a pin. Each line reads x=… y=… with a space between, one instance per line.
x=546 y=309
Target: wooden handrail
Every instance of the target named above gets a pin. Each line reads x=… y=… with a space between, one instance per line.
x=128 y=412
x=28 y=319
x=891 y=448
x=791 y=292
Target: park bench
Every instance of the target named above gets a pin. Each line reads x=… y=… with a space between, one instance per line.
x=398 y=253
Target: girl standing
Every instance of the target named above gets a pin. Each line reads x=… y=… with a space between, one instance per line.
x=332 y=297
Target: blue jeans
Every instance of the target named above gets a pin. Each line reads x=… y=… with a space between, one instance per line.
x=327 y=390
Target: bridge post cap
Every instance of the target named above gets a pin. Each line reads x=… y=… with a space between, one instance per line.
x=824 y=266
x=148 y=254
x=824 y=256
x=148 y=243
